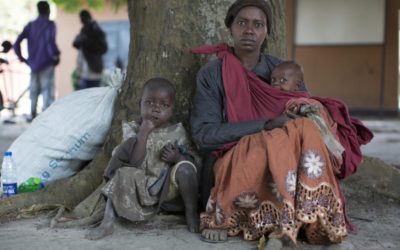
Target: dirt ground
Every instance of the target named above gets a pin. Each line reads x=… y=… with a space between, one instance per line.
x=373 y=204
x=376 y=217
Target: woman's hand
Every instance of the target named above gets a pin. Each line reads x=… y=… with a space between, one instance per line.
x=170 y=154
x=279 y=121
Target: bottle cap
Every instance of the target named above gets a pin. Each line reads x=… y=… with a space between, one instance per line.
x=8 y=153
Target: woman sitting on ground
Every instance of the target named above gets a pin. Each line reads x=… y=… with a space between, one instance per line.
x=273 y=172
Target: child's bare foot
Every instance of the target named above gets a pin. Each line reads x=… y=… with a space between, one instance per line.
x=188 y=187
x=107 y=224
x=101 y=231
x=193 y=222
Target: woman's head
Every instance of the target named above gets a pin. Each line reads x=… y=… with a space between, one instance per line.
x=157 y=102
x=249 y=21
x=240 y=4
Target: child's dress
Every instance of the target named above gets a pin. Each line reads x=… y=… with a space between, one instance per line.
x=131 y=188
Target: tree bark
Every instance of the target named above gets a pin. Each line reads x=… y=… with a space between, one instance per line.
x=161 y=34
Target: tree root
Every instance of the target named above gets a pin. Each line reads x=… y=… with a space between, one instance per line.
x=87 y=213
x=66 y=193
x=33 y=210
x=68 y=222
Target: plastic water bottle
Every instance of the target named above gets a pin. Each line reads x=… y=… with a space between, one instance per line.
x=9 y=175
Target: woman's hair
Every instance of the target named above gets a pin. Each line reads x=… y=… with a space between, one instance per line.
x=240 y=4
x=157 y=83
x=43 y=8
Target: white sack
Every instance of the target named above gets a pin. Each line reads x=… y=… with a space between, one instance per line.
x=68 y=133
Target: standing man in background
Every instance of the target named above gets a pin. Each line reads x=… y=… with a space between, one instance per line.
x=91 y=43
x=43 y=56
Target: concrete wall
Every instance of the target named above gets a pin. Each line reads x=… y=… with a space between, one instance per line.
x=68 y=26
x=350 y=73
x=391 y=53
x=364 y=76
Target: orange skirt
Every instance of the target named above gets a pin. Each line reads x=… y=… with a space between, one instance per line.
x=277 y=182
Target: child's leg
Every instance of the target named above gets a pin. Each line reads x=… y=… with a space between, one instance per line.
x=107 y=224
x=186 y=179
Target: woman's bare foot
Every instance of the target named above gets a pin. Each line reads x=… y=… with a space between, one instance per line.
x=214 y=235
x=101 y=231
x=274 y=244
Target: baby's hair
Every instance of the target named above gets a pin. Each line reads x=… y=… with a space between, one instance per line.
x=295 y=66
x=157 y=83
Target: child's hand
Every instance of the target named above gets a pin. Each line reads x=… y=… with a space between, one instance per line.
x=147 y=126
x=170 y=154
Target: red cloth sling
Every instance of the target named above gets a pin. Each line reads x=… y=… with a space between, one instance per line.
x=250 y=98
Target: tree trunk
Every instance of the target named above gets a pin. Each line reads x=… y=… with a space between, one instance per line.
x=161 y=34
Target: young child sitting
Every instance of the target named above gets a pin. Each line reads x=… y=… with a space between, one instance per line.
x=155 y=165
x=288 y=76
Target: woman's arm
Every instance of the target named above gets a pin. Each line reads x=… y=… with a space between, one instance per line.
x=209 y=127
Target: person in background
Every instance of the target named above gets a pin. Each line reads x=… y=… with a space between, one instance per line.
x=6 y=47
x=43 y=56
x=91 y=44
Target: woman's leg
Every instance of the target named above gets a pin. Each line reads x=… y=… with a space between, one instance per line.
x=186 y=179
x=107 y=224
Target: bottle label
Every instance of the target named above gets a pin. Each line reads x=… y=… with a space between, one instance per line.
x=9 y=189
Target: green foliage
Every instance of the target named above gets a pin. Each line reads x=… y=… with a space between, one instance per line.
x=95 y=4
x=76 y=5
x=118 y=3
x=69 y=5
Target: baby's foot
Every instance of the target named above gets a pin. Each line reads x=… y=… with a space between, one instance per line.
x=100 y=232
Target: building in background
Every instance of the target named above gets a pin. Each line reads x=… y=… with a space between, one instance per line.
x=349 y=50
x=14 y=81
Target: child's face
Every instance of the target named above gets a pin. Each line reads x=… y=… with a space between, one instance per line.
x=285 y=79
x=157 y=105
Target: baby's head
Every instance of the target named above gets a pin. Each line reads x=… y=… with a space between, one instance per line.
x=287 y=76
x=157 y=102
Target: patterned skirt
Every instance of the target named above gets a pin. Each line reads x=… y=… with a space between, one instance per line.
x=277 y=183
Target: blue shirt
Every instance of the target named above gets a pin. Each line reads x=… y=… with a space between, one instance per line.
x=42 y=48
